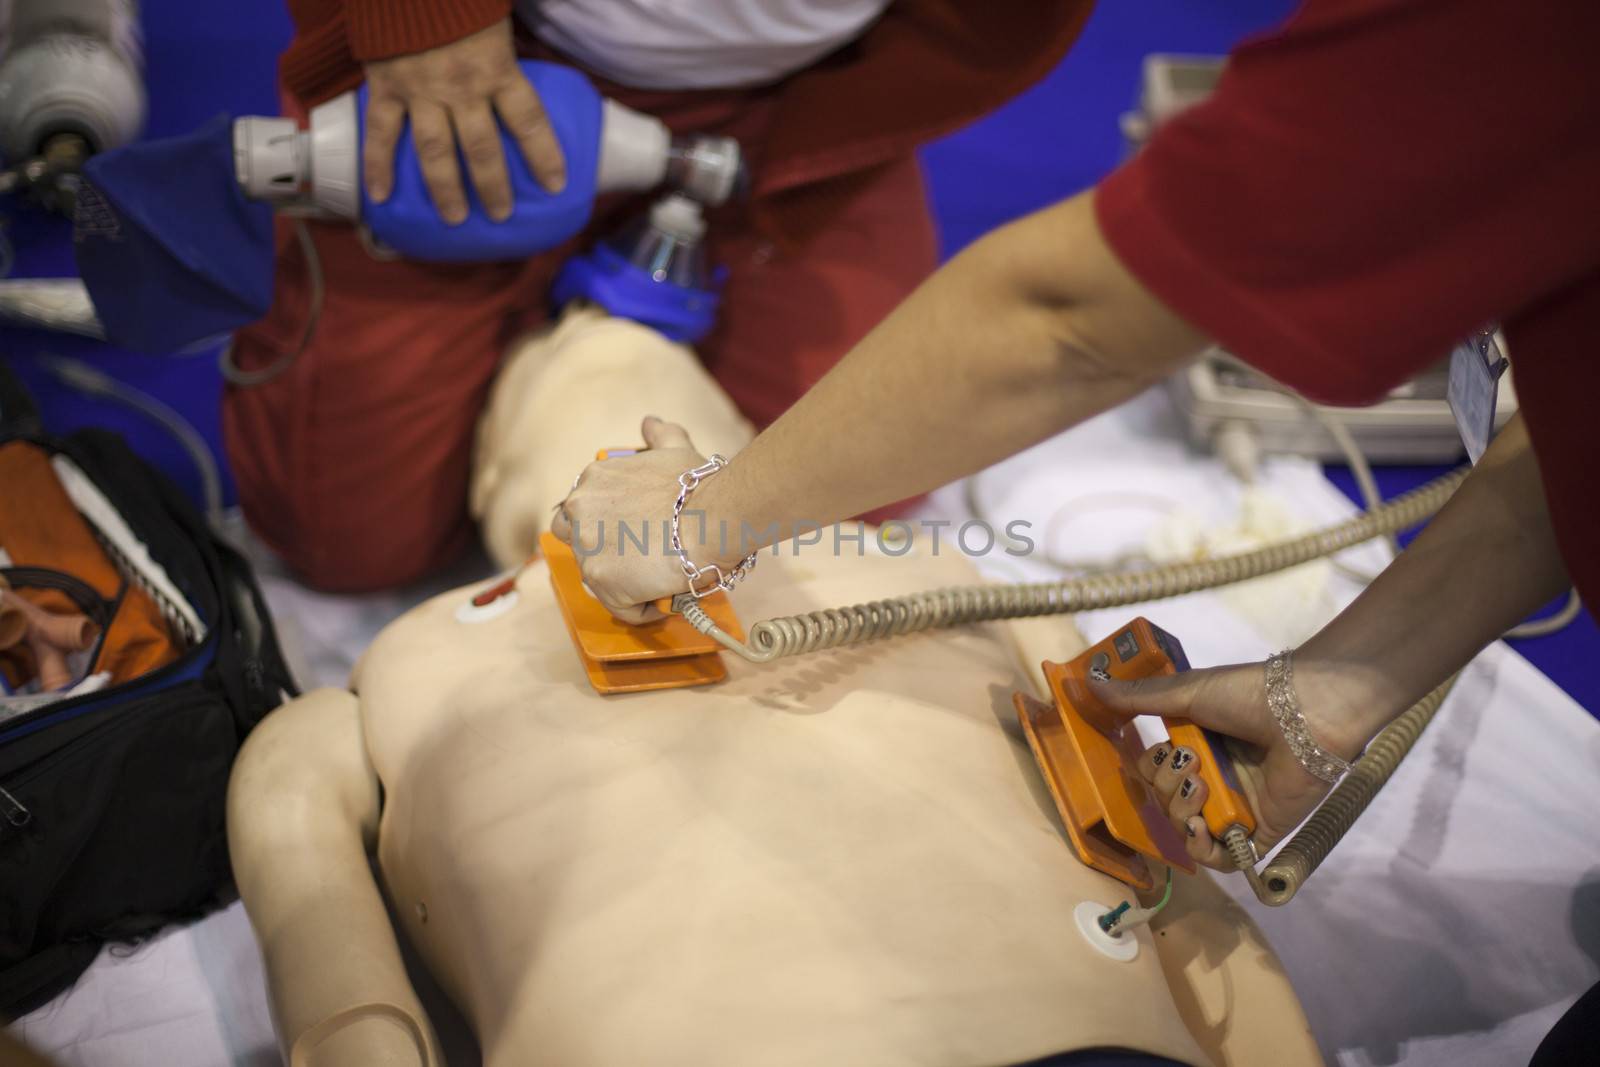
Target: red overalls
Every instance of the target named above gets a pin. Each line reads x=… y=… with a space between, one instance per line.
x=354 y=464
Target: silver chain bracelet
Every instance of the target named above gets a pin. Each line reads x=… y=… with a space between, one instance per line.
x=703 y=581
x=1285 y=708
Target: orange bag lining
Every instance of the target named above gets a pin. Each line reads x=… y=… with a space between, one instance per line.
x=51 y=533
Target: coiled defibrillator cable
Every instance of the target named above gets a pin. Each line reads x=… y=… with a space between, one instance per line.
x=942 y=608
x=1304 y=852
x=1281 y=879
x=838 y=627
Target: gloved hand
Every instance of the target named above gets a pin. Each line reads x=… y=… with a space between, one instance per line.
x=453 y=93
x=639 y=492
x=1233 y=701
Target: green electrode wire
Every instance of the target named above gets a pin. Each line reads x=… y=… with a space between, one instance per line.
x=1164 y=896
x=1110 y=920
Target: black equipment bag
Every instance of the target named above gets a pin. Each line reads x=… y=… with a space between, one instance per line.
x=112 y=802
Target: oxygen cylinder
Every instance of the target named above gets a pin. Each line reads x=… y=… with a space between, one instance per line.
x=608 y=148
x=71 y=70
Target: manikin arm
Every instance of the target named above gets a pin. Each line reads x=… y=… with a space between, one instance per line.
x=302 y=819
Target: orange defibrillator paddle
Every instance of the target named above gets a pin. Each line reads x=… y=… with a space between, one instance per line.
x=1088 y=757
x=620 y=657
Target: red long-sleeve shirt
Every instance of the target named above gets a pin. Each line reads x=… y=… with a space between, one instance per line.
x=1373 y=182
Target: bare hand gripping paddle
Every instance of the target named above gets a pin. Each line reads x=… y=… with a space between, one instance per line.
x=1089 y=757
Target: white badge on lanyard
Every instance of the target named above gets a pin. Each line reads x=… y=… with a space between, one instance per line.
x=1475 y=369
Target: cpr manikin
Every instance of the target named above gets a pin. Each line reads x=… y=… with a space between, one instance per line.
x=842 y=859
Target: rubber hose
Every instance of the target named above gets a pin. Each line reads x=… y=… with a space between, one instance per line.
x=236 y=375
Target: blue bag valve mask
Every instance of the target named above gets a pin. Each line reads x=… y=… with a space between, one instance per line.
x=174 y=237
x=653 y=272
x=318 y=171
x=606 y=148
x=408 y=222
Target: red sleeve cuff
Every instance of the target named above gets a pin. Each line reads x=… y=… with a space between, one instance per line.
x=318 y=65
x=380 y=29
x=1241 y=318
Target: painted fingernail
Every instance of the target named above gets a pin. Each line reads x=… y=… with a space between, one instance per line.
x=1191 y=822
x=1181 y=759
x=1189 y=785
x=1161 y=755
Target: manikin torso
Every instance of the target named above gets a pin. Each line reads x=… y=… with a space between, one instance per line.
x=843 y=858
x=846 y=858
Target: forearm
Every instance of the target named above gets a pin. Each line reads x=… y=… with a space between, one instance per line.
x=1031 y=330
x=1483 y=564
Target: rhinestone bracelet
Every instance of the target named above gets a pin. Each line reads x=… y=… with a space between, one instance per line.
x=1285 y=707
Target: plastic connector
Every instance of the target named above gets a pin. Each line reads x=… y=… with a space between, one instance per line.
x=1124 y=917
x=1236 y=445
x=1127 y=919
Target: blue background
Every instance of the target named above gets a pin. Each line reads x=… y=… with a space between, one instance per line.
x=1059 y=137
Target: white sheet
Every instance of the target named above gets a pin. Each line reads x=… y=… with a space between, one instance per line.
x=1452 y=927
x=1461 y=915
